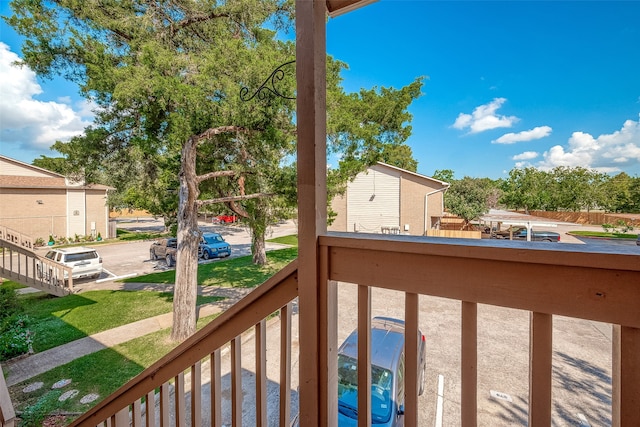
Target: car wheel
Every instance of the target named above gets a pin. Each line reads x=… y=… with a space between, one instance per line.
x=169 y=260
x=205 y=254
x=153 y=255
x=422 y=380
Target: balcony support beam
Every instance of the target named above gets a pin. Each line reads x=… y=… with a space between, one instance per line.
x=312 y=210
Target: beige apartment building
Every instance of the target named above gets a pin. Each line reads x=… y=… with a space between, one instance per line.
x=38 y=203
x=387 y=199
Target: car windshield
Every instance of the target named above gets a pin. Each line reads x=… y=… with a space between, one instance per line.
x=216 y=238
x=381 y=382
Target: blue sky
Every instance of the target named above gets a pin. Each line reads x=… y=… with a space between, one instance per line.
x=507 y=83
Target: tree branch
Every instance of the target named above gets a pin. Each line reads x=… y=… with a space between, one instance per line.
x=199 y=139
x=201 y=203
x=216 y=174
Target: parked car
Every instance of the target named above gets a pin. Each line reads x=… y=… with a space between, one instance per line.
x=520 y=233
x=387 y=374
x=164 y=249
x=224 y=219
x=213 y=245
x=85 y=262
x=638 y=241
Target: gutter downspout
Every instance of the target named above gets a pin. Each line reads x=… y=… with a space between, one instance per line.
x=426 y=204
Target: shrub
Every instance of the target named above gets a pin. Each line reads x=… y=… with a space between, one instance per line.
x=9 y=303
x=16 y=338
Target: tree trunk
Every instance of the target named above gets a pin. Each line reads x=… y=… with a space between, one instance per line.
x=185 y=293
x=258 y=248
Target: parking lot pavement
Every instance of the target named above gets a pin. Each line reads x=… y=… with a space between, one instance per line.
x=581 y=361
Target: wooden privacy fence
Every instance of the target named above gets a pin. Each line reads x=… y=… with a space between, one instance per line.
x=459 y=234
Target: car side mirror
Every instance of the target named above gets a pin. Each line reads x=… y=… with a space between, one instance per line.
x=400 y=409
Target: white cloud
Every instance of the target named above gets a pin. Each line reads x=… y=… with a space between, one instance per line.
x=527 y=135
x=527 y=155
x=29 y=123
x=606 y=153
x=485 y=118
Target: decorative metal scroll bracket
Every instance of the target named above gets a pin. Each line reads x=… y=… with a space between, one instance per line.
x=269 y=86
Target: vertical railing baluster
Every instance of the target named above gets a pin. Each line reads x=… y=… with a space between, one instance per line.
x=328 y=341
x=196 y=394
x=121 y=418
x=261 y=373
x=626 y=376
x=178 y=395
x=540 y=353
x=469 y=361
x=285 y=365
x=411 y=368
x=216 y=389
x=136 y=414
x=364 y=356
x=236 y=382
x=150 y=409
x=164 y=405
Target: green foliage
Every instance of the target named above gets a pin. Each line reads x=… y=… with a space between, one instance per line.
x=570 y=189
x=9 y=302
x=468 y=198
x=16 y=336
x=446 y=175
x=620 y=227
x=34 y=415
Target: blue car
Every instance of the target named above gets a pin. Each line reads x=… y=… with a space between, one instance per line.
x=387 y=374
x=213 y=245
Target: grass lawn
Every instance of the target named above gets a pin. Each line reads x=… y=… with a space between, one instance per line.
x=235 y=273
x=292 y=240
x=605 y=234
x=57 y=321
x=88 y=375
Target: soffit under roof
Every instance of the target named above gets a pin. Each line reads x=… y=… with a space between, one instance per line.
x=338 y=7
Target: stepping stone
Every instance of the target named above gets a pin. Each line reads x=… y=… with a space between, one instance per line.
x=61 y=383
x=68 y=395
x=33 y=387
x=89 y=398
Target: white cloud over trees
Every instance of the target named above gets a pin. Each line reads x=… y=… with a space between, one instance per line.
x=27 y=122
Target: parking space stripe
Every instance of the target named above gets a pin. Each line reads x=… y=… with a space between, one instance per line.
x=440 y=401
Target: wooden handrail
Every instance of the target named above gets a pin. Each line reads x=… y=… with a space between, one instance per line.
x=7 y=413
x=276 y=292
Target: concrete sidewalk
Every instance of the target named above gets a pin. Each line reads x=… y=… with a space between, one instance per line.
x=22 y=369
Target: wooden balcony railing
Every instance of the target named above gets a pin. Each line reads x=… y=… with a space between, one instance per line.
x=135 y=402
x=543 y=280
x=19 y=262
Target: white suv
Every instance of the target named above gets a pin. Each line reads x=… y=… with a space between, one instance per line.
x=85 y=262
